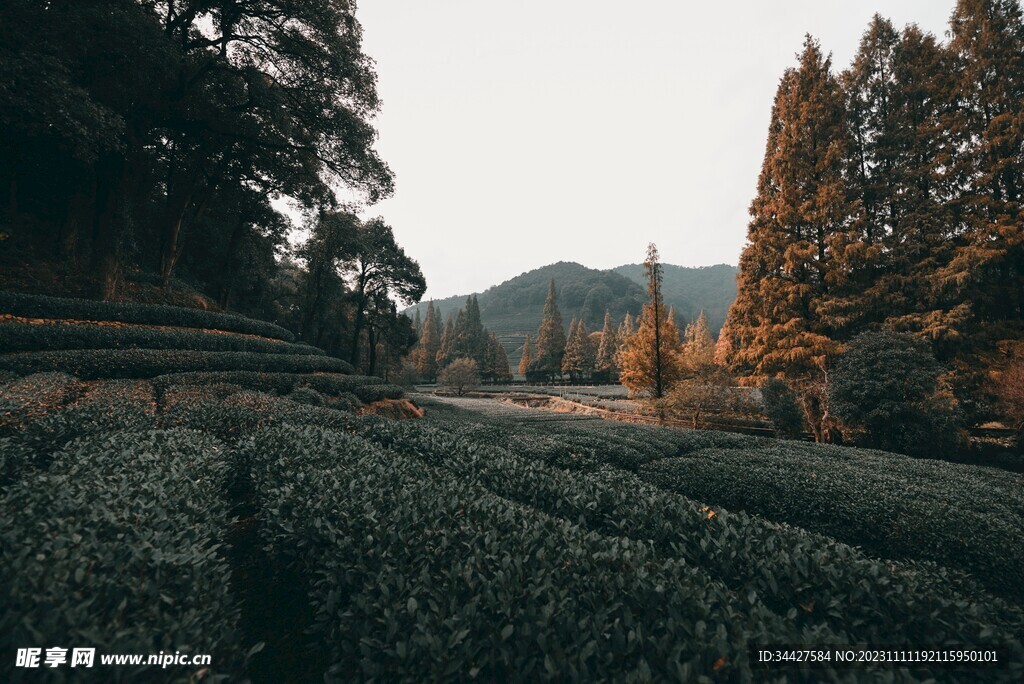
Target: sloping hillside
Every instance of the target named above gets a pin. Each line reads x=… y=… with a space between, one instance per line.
x=711 y=288
x=513 y=309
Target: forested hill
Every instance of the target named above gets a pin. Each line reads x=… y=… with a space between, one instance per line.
x=513 y=308
x=689 y=290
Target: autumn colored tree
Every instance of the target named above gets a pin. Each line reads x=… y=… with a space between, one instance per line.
x=527 y=358
x=577 y=362
x=650 y=361
x=698 y=345
x=446 y=350
x=424 y=357
x=1008 y=388
x=606 y=365
x=789 y=311
x=459 y=375
x=550 y=346
x=987 y=268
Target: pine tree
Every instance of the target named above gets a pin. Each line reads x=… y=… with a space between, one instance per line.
x=424 y=357
x=446 y=350
x=550 y=338
x=605 y=364
x=987 y=269
x=475 y=337
x=497 y=360
x=698 y=344
x=650 y=361
x=575 y=361
x=781 y=320
x=527 y=358
x=417 y=324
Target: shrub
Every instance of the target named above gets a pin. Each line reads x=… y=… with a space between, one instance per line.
x=89 y=364
x=40 y=306
x=886 y=388
x=31 y=397
x=892 y=506
x=459 y=375
x=329 y=384
x=781 y=408
x=113 y=548
x=306 y=395
x=19 y=336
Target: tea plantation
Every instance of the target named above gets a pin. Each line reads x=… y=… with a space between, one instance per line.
x=164 y=490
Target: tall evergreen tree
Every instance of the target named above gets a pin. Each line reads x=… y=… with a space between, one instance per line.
x=526 y=359
x=698 y=344
x=550 y=346
x=575 y=361
x=649 y=362
x=987 y=268
x=784 y=319
x=605 y=364
x=497 y=368
x=446 y=350
x=425 y=355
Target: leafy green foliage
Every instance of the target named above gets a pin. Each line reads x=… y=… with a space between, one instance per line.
x=18 y=336
x=781 y=408
x=886 y=388
x=114 y=548
x=147 y=363
x=40 y=306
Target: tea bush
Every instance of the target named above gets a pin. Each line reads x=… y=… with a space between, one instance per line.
x=17 y=336
x=964 y=517
x=41 y=306
x=88 y=364
x=115 y=549
x=812 y=580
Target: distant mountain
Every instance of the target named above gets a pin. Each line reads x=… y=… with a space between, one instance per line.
x=711 y=288
x=513 y=309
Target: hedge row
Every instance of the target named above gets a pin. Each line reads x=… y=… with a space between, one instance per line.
x=964 y=517
x=367 y=388
x=816 y=583
x=18 y=336
x=415 y=573
x=40 y=306
x=115 y=549
x=90 y=364
x=28 y=398
x=100 y=408
x=241 y=414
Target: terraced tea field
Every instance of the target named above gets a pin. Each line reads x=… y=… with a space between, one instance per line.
x=263 y=514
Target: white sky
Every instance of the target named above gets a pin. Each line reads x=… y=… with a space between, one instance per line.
x=525 y=133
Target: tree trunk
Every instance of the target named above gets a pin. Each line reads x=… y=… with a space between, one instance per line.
x=170 y=250
x=371 y=338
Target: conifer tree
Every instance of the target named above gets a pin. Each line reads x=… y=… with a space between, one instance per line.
x=497 y=360
x=650 y=361
x=781 y=320
x=575 y=361
x=446 y=350
x=417 y=323
x=698 y=344
x=987 y=268
x=550 y=345
x=605 y=364
x=425 y=356
x=527 y=358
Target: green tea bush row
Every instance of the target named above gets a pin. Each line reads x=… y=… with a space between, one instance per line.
x=31 y=397
x=893 y=506
x=415 y=573
x=118 y=547
x=101 y=407
x=367 y=388
x=40 y=306
x=241 y=414
x=89 y=364
x=17 y=336
x=812 y=580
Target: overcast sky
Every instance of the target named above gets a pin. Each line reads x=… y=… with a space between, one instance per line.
x=524 y=133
